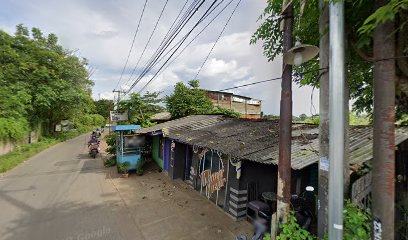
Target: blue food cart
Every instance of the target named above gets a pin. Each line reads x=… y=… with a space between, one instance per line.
x=128 y=145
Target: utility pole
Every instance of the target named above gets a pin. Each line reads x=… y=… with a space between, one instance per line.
x=285 y=121
x=118 y=99
x=324 y=118
x=337 y=76
x=383 y=173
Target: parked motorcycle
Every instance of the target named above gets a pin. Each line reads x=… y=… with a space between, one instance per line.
x=303 y=206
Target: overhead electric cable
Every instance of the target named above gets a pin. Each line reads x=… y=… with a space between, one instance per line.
x=175 y=32
x=184 y=38
x=148 y=41
x=205 y=15
x=168 y=32
x=131 y=47
x=218 y=38
x=269 y=80
x=192 y=40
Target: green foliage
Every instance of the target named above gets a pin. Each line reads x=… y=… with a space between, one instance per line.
x=23 y=152
x=123 y=167
x=12 y=129
x=354 y=119
x=382 y=15
x=292 y=230
x=140 y=108
x=110 y=162
x=111 y=141
x=41 y=81
x=226 y=112
x=403 y=120
x=90 y=120
x=362 y=18
x=103 y=107
x=188 y=100
x=357 y=223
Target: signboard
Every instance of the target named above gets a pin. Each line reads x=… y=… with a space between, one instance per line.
x=118 y=117
x=58 y=128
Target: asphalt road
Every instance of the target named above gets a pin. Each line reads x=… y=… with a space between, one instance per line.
x=62 y=194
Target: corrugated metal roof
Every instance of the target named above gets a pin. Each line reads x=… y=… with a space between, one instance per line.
x=186 y=123
x=258 y=140
x=161 y=116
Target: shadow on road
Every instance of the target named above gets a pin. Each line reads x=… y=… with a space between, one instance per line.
x=64 y=221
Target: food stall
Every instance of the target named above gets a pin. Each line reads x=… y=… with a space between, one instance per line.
x=128 y=145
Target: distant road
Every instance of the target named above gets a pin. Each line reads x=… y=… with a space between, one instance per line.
x=62 y=194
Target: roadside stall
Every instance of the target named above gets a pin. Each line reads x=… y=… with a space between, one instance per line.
x=128 y=145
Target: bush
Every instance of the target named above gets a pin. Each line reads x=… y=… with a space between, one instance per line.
x=357 y=223
x=111 y=161
x=14 y=129
x=87 y=120
x=292 y=230
x=123 y=167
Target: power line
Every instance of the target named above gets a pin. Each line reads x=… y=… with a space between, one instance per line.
x=180 y=43
x=268 y=80
x=131 y=47
x=170 y=29
x=148 y=41
x=192 y=40
x=218 y=38
x=180 y=25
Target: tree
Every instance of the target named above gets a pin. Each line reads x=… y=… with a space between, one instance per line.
x=41 y=81
x=103 y=107
x=140 y=108
x=362 y=17
x=302 y=117
x=188 y=100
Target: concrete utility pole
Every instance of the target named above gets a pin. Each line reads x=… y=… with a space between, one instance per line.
x=118 y=99
x=324 y=118
x=383 y=189
x=337 y=75
x=285 y=122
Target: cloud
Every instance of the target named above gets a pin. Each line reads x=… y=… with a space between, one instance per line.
x=103 y=31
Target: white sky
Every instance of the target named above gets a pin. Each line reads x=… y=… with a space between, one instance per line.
x=102 y=31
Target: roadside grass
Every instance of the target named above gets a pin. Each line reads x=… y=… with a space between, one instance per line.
x=24 y=152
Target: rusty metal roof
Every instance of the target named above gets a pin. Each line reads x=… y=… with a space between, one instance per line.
x=186 y=123
x=258 y=140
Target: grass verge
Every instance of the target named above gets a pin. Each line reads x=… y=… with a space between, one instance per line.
x=23 y=152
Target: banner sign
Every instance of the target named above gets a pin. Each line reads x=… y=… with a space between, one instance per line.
x=118 y=117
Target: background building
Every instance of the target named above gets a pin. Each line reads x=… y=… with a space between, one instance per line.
x=246 y=106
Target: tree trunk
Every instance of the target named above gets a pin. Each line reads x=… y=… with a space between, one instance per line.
x=383 y=192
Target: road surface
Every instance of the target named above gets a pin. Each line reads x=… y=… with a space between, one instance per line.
x=62 y=194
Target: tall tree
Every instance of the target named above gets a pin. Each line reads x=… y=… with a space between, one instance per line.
x=188 y=100
x=360 y=22
x=103 y=107
x=42 y=82
x=140 y=108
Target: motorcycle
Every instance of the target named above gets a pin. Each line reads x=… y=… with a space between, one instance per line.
x=303 y=206
x=93 y=149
